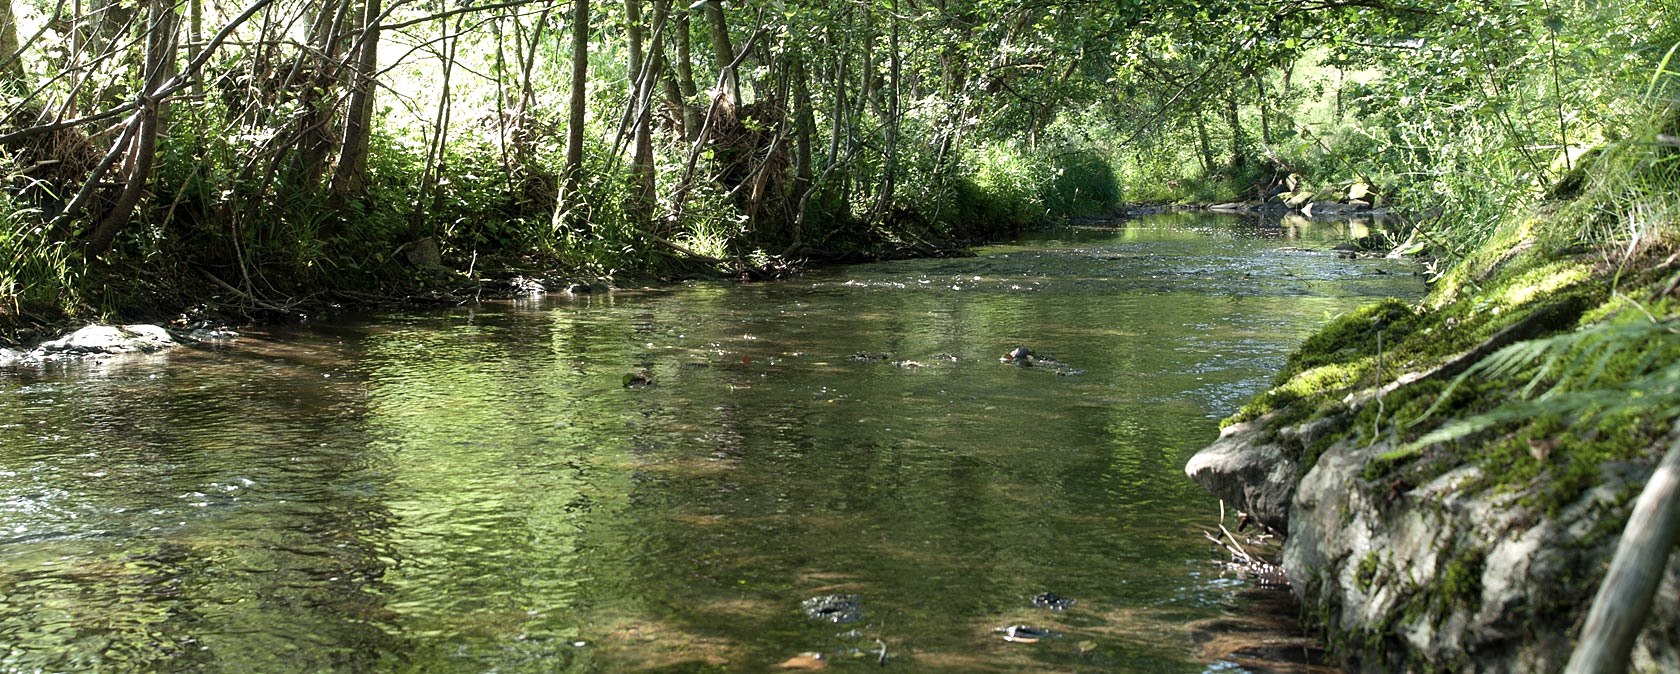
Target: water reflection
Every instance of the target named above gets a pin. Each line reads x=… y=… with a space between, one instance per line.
x=477 y=490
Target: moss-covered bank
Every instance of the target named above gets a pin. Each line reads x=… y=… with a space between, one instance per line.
x=1453 y=476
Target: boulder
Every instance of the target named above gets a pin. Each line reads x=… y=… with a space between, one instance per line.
x=1456 y=572
x=107 y=339
x=1330 y=209
x=1232 y=207
x=1255 y=468
x=9 y=356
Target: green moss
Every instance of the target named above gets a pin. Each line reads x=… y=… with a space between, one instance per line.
x=1461 y=582
x=1350 y=337
x=1367 y=571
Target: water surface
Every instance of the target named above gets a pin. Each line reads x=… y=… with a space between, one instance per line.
x=476 y=490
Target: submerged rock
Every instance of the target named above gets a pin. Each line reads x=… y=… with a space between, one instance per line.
x=1052 y=601
x=834 y=608
x=1024 y=634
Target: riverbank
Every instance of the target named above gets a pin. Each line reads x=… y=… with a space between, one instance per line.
x=1453 y=477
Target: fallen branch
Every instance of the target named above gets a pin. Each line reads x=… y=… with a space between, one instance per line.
x=1624 y=600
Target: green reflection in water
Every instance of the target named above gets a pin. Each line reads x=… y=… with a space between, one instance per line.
x=477 y=491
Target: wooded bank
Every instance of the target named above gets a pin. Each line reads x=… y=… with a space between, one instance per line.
x=288 y=148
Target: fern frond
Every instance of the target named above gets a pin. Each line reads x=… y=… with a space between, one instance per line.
x=1574 y=373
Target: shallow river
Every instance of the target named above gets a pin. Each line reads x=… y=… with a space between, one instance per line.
x=477 y=490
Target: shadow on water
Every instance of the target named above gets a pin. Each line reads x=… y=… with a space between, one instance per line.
x=478 y=490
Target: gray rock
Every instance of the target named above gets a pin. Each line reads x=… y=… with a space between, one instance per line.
x=213 y=335
x=1249 y=468
x=1453 y=572
x=107 y=339
x=1233 y=207
x=10 y=356
x=1329 y=209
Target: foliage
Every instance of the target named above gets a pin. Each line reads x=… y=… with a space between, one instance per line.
x=878 y=126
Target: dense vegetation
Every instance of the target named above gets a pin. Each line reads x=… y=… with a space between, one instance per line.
x=275 y=151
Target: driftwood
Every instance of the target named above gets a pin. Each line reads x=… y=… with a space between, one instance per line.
x=1265 y=573
x=1624 y=600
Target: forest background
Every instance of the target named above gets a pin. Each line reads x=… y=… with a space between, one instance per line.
x=267 y=156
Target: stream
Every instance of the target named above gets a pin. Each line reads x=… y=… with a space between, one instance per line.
x=493 y=489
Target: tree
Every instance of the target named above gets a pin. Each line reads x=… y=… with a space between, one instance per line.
x=569 y=209
x=351 y=173
x=11 y=63
x=143 y=125
x=724 y=54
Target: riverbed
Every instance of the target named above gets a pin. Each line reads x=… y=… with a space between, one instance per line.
x=658 y=479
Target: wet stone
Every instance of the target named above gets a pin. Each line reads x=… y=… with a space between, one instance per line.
x=1052 y=601
x=834 y=608
x=1024 y=634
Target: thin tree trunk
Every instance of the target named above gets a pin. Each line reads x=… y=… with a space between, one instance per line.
x=348 y=179
x=724 y=53
x=1203 y=144
x=11 y=62
x=77 y=43
x=431 y=177
x=633 y=35
x=685 y=77
x=889 y=178
x=195 y=37
x=837 y=116
x=1624 y=600
x=521 y=134
x=570 y=213
x=159 y=64
x=639 y=206
x=1231 y=117
x=804 y=119
x=1265 y=111
x=316 y=142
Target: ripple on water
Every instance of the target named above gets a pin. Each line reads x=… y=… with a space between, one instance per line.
x=475 y=490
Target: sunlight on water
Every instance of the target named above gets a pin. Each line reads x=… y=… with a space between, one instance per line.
x=478 y=490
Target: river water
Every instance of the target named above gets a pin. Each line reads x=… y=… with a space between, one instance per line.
x=477 y=490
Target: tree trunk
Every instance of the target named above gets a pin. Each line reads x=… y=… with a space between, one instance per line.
x=685 y=77
x=837 y=113
x=639 y=205
x=431 y=178
x=195 y=38
x=313 y=75
x=570 y=213
x=889 y=177
x=11 y=62
x=1624 y=600
x=1265 y=111
x=1231 y=117
x=521 y=134
x=159 y=65
x=348 y=179
x=724 y=53
x=805 y=121
x=1203 y=144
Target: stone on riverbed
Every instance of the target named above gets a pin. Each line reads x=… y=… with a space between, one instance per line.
x=107 y=339
x=834 y=608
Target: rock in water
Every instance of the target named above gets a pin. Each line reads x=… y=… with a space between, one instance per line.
x=1052 y=601
x=108 y=339
x=834 y=608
